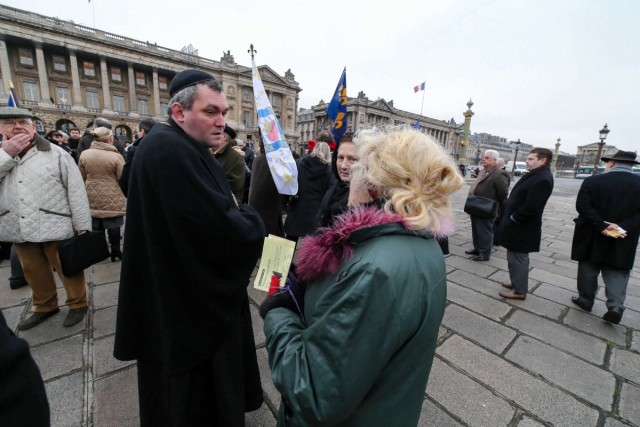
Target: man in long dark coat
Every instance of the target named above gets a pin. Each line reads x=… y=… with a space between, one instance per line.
x=189 y=250
x=521 y=223
x=606 y=235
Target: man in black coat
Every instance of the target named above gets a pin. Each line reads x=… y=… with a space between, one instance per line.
x=189 y=250
x=521 y=223
x=144 y=128
x=606 y=234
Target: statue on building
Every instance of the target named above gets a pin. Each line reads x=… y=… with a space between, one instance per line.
x=289 y=75
x=227 y=57
x=362 y=96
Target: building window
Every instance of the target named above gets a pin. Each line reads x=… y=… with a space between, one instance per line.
x=92 y=99
x=246 y=94
x=164 y=107
x=59 y=64
x=140 y=79
x=163 y=83
x=246 y=119
x=88 y=69
x=143 y=106
x=63 y=95
x=116 y=74
x=31 y=90
x=26 y=57
x=276 y=100
x=118 y=103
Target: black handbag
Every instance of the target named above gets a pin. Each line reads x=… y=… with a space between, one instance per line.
x=82 y=251
x=479 y=206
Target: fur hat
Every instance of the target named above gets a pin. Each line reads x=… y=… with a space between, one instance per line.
x=188 y=78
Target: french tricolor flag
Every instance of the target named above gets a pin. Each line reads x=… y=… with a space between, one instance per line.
x=419 y=87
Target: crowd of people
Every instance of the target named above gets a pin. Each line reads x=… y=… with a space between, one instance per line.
x=371 y=219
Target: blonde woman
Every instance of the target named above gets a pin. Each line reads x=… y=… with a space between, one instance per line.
x=356 y=348
x=101 y=167
x=314 y=179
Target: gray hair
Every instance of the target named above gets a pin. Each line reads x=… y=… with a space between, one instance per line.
x=187 y=96
x=322 y=152
x=493 y=154
x=500 y=162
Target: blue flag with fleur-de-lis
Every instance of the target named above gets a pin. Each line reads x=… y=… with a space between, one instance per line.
x=337 y=109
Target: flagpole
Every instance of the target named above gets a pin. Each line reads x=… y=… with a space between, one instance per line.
x=422 y=106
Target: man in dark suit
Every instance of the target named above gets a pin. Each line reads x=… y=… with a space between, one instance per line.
x=606 y=235
x=493 y=185
x=521 y=223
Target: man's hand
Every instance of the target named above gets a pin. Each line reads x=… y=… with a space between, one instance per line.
x=17 y=144
x=613 y=230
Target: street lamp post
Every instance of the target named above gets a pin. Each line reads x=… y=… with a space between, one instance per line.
x=555 y=156
x=515 y=159
x=603 y=135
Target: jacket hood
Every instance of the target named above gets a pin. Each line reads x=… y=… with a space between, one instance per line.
x=314 y=167
x=322 y=254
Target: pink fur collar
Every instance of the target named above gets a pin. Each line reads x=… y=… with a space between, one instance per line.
x=323 y=253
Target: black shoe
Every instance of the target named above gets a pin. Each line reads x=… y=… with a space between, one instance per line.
x=613 y=315
x=36 y=318
x=17 y=284
x=116 y=254
x=75 y=315
x=581 y=302
x=472 y=252
x=479 y=258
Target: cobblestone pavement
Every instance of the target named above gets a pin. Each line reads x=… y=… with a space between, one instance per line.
x=541 y=361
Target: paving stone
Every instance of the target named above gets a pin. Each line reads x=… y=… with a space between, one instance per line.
x=485 y=332
x=632 y=302
x=473 y=404
x=534 y=395
x=257 y=323
x=482 y=269
x=59 y=357
x=52 y=329
x=105 y=295
x=431 y=415
x=103 y=360
x=626 y=364
x=581 y=378
x=553 y=279
x=12 y=316
x=115 y=400
x=106 y=273
x=270 y=391
x=630 y=403
x=596 y=326
x=477 y=302
x=540 y=306
x=487 y=287
x=635 y=341
x=13 y=297
x=555 y=294
x=570 y=272
x=529 y=422
x=104 y=322
x=612 y=422
x=260 y=418
x=588 y=348
x=66 y=400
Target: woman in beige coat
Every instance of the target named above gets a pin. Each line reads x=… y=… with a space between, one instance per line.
x=101 y=168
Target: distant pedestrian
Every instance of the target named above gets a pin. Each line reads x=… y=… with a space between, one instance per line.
x=87 y=138
x=606 y=205
x=496 y=222
x=232 y=162
x=521 y=224
x=189 y=250
x=491 y=184
x=144 y=128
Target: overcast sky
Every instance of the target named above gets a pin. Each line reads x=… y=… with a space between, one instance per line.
x=535 y=70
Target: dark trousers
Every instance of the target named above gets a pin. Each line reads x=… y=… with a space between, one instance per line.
x=518 y=263
x=615 y=283
x=482 y=235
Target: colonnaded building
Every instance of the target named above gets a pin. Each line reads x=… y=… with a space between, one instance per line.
x=68 y=74
x=363 y=112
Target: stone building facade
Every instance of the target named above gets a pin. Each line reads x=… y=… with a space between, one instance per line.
x=587 y=154
x=68 y=74
x=363 y=112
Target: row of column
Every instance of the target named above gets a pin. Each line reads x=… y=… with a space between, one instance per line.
x=45 y=93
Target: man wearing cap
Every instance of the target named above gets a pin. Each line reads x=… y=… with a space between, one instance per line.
x=606 y=234
x=183 y=309
x=38 y=210
x=232 y=163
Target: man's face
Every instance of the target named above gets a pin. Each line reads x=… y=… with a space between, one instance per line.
x=205 y=121
x=533 y=162
x=16 y=126
x=347 y=156
x=488 y=162
x=58 y=138
x=74 y=134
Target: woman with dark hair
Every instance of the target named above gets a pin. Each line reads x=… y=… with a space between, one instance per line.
x=101 y=168
x=377 y=268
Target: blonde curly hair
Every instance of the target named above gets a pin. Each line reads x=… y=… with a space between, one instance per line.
x=412 y=171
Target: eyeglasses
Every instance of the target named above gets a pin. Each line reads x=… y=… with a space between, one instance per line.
x=23 y=122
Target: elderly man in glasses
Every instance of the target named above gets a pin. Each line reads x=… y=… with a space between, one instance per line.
x=42 y=202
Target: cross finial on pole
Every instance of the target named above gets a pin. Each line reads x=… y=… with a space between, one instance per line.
x=252 y=51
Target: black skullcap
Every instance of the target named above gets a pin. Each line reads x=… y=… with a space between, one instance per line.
x=188 y=78
x=229 y=131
